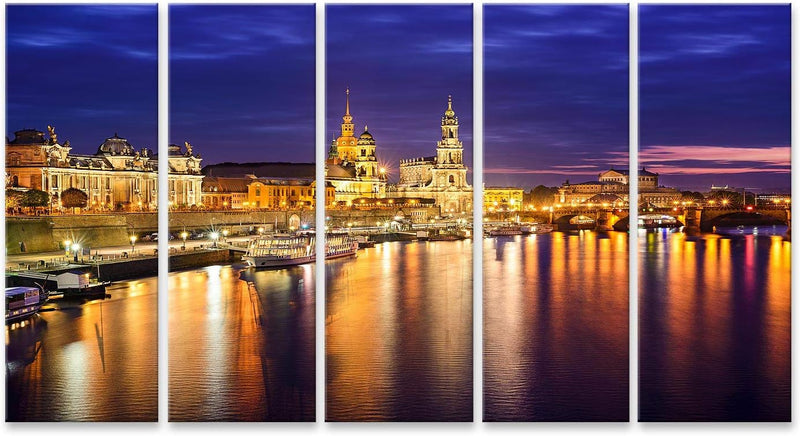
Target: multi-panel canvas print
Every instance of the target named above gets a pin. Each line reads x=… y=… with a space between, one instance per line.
x=563 y=192
x=81 y=186
x=555 y=203
x=241 y=213
x=398 y=312
x=714 y=250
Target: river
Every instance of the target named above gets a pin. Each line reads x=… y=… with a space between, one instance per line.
x=714 y=325
x=92 y=361
x=399 y=333
x=241 y=344
x=556 y=327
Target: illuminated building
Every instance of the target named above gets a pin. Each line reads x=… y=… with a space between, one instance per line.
x=502 y=199
x=613 y=187
x=352 y=166
x=117 y=177
x=442 y=177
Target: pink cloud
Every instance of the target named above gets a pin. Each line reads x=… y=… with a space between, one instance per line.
x=778 y=155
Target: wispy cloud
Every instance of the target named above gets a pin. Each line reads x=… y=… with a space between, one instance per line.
x=776 y=155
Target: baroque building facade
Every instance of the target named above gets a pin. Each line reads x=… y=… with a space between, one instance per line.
x=352 y=166
x=613 y=186
x=115 y=178
x=442 y=177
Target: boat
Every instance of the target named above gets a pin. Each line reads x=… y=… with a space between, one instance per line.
x=536 y=229
x=364 y=241
x=66 y=284
x=23 y=302
x=506 y=231
x=271 y=251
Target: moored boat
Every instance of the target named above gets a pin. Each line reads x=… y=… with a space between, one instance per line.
x=275 y=251
x=23 y=302
x=506 y=231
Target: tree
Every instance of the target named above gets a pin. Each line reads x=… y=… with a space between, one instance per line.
x=35 y=198
x=14 y=198
x=543 y=196
x=74 y=198
x=694 y=196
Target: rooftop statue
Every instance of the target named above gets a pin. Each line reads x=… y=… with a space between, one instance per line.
x=53 y=137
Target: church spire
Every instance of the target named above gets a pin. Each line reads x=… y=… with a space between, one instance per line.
x=347 y=125
x=347 y=99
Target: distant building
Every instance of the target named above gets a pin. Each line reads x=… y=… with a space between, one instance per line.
x=116 y=177
x=442 y=177
x=224 y=192
x=352 y=166
x=261 y=185
x=284 y=193
x=612 y=187
x=497 y=199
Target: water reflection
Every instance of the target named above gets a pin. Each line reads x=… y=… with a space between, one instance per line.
x=241 y=344
x=93 y=361
x=556 y=327
x=714 y=327
x=399 y=333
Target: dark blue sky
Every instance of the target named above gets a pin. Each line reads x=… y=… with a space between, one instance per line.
x=400 y=62
x=555 y=92
x=715 y=94
x=242 y=81
x=90 y=71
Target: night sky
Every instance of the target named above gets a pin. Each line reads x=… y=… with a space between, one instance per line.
x=242 y=82
x=715 y=95
x=555 y=93
x=400 y=62
x=89 y=71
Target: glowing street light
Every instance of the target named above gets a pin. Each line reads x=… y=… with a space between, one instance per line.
x=214 y=237
x=184 y=235
x=133 y=243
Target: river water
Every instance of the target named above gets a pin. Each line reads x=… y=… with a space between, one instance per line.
x=241 y=344
x=94 y=361
x=714 y=325
x=556 y=327
x=399 y=333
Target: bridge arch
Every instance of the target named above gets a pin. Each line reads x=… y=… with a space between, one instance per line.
x=739 y=218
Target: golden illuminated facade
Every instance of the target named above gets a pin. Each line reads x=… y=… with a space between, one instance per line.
x=116 y=178
x=352 y=166
x=283 y=194
x=443 y=177
x=502 y=199
x=613 y=187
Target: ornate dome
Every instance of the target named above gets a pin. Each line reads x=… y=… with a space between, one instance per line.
x=116 y=146
x=366 y=138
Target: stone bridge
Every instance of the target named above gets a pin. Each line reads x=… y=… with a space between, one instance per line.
x=581 y=218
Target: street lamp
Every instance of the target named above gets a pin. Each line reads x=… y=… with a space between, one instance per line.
x=184 y=235
x=225 y=235
x=75 y=248
x=214 y=237
x=133 y=243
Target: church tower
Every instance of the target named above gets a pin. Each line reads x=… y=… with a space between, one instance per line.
x=449 y=175
x=449 y=150
x=346 y=142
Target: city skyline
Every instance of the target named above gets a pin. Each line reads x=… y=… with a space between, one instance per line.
x=91 y=74
x=400 y=63
x=715 y=94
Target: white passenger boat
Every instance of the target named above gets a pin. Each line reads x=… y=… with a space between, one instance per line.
x=271 y=251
